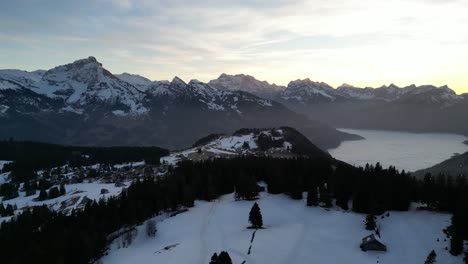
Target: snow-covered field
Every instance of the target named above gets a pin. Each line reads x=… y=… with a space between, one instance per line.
x=408 y=151
x=294 y=234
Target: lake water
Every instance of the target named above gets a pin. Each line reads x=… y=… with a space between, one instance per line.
x=408 y=151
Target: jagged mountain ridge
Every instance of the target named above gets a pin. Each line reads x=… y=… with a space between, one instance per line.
x=310 y=92
x=246 y=83
x=83 y=103
x=413 y=108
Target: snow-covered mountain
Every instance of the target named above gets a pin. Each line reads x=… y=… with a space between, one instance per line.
x=247 y=83
x=77 y=85
x=425 y=94
x=83 y=103
x=142 y=83
x=310 y=92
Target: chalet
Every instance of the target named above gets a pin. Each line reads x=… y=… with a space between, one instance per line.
x=372 y=242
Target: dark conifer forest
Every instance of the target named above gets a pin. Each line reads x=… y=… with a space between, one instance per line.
x=39 y=235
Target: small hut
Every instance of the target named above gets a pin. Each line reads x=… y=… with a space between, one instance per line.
x=372 y=242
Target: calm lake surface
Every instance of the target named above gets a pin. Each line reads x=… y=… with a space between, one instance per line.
x=408 y=151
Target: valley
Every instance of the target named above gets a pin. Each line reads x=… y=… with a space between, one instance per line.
x=404 y=150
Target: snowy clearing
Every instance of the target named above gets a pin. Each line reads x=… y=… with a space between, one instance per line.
x=294 y=234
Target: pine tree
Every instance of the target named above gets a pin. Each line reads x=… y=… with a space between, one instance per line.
x=255 y=216
x=431 y=258
x=54 y=193
x=42 y=195
x=2 y=210
x=456 y=244
x=151 y=228
x=224 y=258
x=9 y=210
x=312 y=198
x=325 y=198
x=370 y=222
x=62 y=189
x=214 y=259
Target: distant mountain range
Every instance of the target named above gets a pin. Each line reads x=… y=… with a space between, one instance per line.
x=413 y=108
x=82 y=103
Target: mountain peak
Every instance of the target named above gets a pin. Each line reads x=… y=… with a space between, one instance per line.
x=346 y=85
x=178 y=81
x=246 y=83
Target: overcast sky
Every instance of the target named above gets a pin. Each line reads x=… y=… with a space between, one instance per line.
x=360 y=42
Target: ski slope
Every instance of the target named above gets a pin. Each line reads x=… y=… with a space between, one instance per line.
x=294 y=234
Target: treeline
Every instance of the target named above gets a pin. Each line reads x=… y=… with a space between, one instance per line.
x=42 y=236
x=32 y=156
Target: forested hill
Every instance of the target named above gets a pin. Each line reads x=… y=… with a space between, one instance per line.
x=456 y=165
x=37 y=155
x=43 y=236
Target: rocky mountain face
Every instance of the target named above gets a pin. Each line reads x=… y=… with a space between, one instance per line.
x=82 y=103
x=246 y=83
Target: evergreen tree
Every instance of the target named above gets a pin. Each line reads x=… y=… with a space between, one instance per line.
x=431 y=258
x=151 y=228
x=224 y=258
x=214 y=259
x=30 y=187
x=9 y=210
x=62 y=189
x=42 y=195
x=325 y=198
x=255 y=216
x=370 y=222
x=456 y=243
x=2 y=210
x=54 y=193
x=312 y=198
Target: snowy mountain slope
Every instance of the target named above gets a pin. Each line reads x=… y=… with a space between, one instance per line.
x=246 y=83
x=425 y=94
x=75 y=198
x=310 y=92
x=79 y=85
x=275 y=142
x=84 y=81
x=142 y=83
x=293 y=234
x=79 y=187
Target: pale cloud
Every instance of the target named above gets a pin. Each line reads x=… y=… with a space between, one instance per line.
x=365 y=42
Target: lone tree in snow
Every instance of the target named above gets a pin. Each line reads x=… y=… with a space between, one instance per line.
x=370 y=222
x=431 y=258
x=312 y=197
x=255 y=216
x=222 y=258
x=151 y=228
